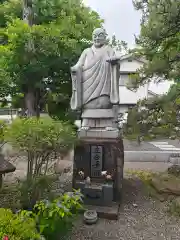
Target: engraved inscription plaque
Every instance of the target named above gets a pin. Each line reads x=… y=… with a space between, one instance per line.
x=96 y=160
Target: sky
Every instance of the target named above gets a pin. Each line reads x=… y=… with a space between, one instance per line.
x=122 y=20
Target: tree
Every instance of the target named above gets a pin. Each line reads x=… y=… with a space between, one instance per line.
x=159 y=39
x=159 y=45
x=56 y=48
x=119 y=45
x=156 y=117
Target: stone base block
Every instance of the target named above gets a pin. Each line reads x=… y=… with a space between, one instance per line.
x=99 y=134
x=98 y=113
x=110 y=213
x=96 y=194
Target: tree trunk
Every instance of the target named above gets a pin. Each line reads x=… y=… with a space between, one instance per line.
x=30 y=103
x=1 y=180
x=30 y=96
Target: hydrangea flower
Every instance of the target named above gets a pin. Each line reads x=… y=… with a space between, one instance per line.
x=59 y=205
x=62 y=207
x=46 y=202
x=65 y=209
x=70 y=194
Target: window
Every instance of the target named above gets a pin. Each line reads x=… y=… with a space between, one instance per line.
x=124 y=78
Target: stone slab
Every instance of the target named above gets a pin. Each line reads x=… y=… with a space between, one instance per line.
x=110 y=213
x=95 y=133
x=98 y=113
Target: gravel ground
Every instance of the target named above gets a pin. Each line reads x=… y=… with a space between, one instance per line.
x=140 y=218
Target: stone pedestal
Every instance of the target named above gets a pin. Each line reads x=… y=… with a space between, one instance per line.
x=100 y=194
x=99 y=150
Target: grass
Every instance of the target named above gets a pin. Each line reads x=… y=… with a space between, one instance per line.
x=174 y=207
x=145 y=176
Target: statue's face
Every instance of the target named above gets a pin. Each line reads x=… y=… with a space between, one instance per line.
x=99 y=37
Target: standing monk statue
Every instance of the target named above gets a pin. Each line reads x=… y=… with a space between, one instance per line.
x=95 y=84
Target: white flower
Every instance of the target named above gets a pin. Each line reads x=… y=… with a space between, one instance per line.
x=81 y=173
x=88 y=180
x=103 y=173
x=109 y=177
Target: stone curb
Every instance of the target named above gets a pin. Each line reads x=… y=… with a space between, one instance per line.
x=152 y=156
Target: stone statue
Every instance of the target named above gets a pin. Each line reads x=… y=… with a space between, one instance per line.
x=95 y=80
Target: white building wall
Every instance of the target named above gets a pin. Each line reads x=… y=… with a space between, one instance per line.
x=132 y=66
x=127 y=96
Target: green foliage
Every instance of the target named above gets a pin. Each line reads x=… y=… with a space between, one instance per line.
x=8 y=10
x=40 y=139
x=159 y=39
x=2 y=128
x=33 y=190
x=17 y=226
x=55 y=219
x=120 y=46
x=174 y=208
x=43 y=135
x=156 y=117
x=39 y=57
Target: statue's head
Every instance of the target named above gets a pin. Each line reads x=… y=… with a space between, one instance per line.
x=99 y=37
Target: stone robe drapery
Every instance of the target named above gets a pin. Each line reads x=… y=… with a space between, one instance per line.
x=95 y=77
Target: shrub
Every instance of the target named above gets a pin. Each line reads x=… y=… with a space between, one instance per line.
x=17 y=226
x=36 y=189
x=39 y=139
x=3 y=125
x=55 y=219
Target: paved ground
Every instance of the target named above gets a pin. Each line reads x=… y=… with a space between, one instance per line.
x=134 y=146
x=155 y=151
x=159 y=145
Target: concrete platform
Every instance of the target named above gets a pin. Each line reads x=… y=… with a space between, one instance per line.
x=110 y=213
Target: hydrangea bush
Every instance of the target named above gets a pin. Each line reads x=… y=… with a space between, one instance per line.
x=56 y=218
